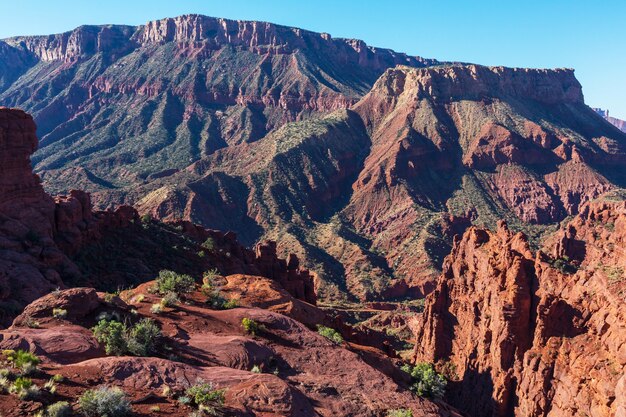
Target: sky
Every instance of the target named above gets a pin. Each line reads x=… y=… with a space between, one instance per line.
x=589 y=36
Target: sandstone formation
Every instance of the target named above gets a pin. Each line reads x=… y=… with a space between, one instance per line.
x=48 y=242
x=352 y=157
x=302 y=373
x=620 y=124
x=534 y=334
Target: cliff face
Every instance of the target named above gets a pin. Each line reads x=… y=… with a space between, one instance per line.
x=47 y=242
x=194 y=82
x=424 y=154
x=533 y=335
x=362 y=167
x=620 y=124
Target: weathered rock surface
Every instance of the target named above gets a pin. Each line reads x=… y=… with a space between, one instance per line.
x=534 y=335
x=620 y=124
x=302 y=372
x=48 y=242
x=243 y=126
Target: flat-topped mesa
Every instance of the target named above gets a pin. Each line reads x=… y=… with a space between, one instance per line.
x=474 y=82
x=257 y=37
x=82 y=41
x=264 y=37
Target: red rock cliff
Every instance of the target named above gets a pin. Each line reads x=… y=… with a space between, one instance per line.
x=534 y=335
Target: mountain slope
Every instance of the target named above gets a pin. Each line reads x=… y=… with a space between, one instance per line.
x=362 y=165
x=123 y=103
x=371 y=197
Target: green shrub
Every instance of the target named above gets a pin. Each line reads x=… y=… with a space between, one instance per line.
x=330 y=334
x=146 y=218
x=564 y=265
x=426 y=381
x=170 y=299
x=113 y=334
x=206 y=397
x=25 y=361
x=256 y=369
x=250 y=326
x=139 y=340
x=400 y=412
x=228 y=304
x=171 y=282
x=59 y=409
x=156 y=308
x=24 y=388
x=59 y=313
x=209 y=244
x=104 y=401
x=143 y=337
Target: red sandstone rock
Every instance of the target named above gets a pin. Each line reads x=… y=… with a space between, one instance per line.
x=528 y=339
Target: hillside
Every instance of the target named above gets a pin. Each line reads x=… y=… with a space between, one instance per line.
x=362 y=161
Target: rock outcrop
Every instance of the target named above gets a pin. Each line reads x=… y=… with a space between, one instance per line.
x=48 y=242
x=349 y=156
x=285 y=369
x=618 y=123
x=533 y=334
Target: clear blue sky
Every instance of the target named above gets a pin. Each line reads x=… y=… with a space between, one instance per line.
x=586 y=35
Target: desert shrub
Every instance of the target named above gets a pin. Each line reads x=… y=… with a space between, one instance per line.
x=24 y=388
x=59 y=313
x=250 y=326
x=426 y=381
x=109 y=297
x=146 y=218
x=170 y=281
x=139 y=298
x=206 y=397
x=170 y=299
x=228 y=304
x=50 y=386
x=143 y=337
x=156 y=308
x=256 y=369
x=209 y=244
x=330 y=334
x=104 y=401
x=564 y=265
x=25 y=361
x=139 y=340
x=400 y=412
x=113 y=335
x=59 y=409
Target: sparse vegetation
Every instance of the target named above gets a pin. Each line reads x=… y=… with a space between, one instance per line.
x=209 y=244
x=564 y=265
x=206 y=397
x=104 y=401
x=400 y=412
x=59 y=409
x=171 y=282
x=170 y=300
x=24 y=388
x=426 y=381
x=113 y=334
x=25 y=361
x=156 y=308
x=139 y=340
x=59 y=313
x=330 y=334
x=250 y=326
